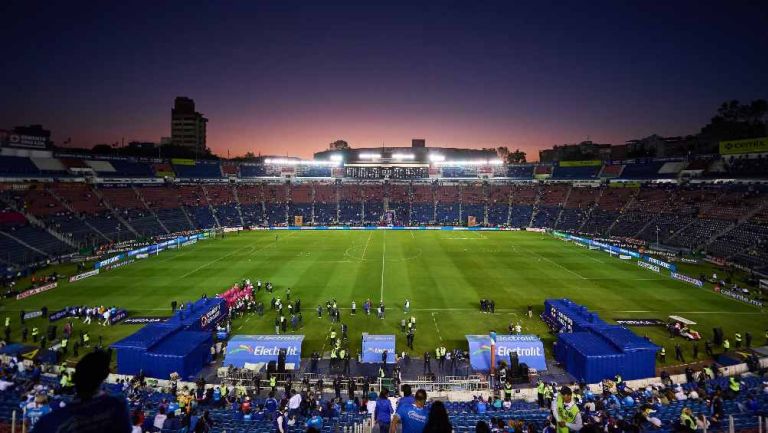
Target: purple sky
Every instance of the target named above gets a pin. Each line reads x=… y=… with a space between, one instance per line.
x=290 y=76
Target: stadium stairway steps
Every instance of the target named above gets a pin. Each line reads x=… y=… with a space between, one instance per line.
x=592 y=208
x=117 y=215
x=237 y=206
x=624 y=209
x=210 y=206
x=186 y=215
x=141 y=198
x=37 y=222
x=744 y=218
x=562 y=207
x=535 y=209
x=19 y=241
x=68 y=207
x=705 y=208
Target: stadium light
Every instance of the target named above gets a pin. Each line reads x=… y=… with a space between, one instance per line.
x=370 y=156
x=462 y=163
x=403 y=156
x=337 y=157
x=434 y=157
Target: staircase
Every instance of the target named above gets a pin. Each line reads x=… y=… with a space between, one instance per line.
x=592 y=208
x=19 y=241
x=560 y=214
x=72 y=211
x=535 y=209
x=210 y=206
x=237 y=205
x=622 y=211
x=700 y=211
x=146 y=206
x=115 y=212
x=36 y=222
x=744 y=218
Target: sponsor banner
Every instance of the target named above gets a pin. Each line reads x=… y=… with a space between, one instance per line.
x=740 y=297
x=535 y=229
x=589 y=163
x=36 y=290
x=749 y=145
x=255 y=349
x=648 y=266
x=687 y=279
x=143 y=320
x=623 y=257
x=188 y=243
x=661 y=263
x=109 y=261
x=375 y=345
x=232 y=229
x=57 y=315
x=27 y=141
x=640 y=322
x=691 y=261
x=83 y=276
x=32 y=314
x=529 y=349
x=764 y=284
x=209 y=319
x=120 y=264
x=142 y=256
x=118 y=316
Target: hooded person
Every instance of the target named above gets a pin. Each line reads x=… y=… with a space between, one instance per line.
x=92 y=410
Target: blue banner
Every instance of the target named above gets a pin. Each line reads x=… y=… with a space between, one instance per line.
x=529 y=349
x=256 y=349
x=375 y=345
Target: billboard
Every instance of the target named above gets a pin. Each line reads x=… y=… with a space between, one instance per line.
x=586 y=163
x=375 y=345
x=749 y=145
x=529 y=349
x=255 y=349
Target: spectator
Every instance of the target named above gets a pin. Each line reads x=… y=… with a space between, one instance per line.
x=438 y=421
x=413 y=417
x=92 y=410
x=383 y=412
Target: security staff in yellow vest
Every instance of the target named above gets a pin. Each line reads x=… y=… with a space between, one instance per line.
x=737 y=339
x=687 y=421
x=64 y=343
x=567 y=414
x=663 y=354
x=273 y=382
x=86 y=340
x=507 y=391
x=734 y=385
x=540 y=392
x=332 y=337
x=548 y=395
x=726 y=345
x=35 y=332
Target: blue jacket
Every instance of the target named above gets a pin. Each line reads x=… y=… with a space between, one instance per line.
x=383 y=412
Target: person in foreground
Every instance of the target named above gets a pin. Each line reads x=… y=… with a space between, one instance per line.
x=438 y=421
x=412 y=416
x=92 y=410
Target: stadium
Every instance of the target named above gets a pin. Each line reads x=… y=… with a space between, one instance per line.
x=383 y=217
x=588 y=246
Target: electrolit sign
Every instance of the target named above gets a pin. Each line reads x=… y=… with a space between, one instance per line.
x=255 y=349
x=374 y=347
x=529 y=349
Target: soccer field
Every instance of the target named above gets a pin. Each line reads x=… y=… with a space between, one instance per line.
x=443 y=273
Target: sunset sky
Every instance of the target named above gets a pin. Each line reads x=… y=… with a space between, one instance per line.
x=289 y=77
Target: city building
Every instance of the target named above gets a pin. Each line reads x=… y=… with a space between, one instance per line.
x=187 y=125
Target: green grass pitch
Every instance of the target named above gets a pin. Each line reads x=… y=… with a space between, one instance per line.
x=443 y=273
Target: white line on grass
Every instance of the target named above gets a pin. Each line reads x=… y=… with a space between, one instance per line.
x=434 y=319
x=366 y=245
x=383 y=254
x=558 y=264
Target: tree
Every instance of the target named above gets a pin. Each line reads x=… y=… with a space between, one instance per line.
x=339 y=145
x=736 y=121
x=516 y=157
x=503 y=153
